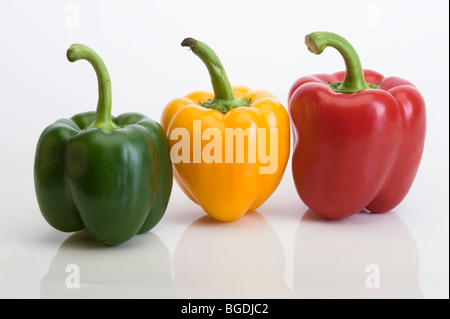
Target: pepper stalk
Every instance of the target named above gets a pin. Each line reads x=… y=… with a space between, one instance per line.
x=103 y=114
x=354 y=75
x=224 y=99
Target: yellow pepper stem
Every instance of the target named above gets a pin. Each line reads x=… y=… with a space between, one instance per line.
x=224 y=99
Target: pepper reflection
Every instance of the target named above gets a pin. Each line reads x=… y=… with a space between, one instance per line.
x=240 y=259
x=362 y=256
x=139 y=268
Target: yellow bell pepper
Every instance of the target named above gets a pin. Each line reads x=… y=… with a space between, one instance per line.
x=229 y=149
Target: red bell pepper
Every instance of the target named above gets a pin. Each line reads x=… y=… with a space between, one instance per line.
x=356 y=145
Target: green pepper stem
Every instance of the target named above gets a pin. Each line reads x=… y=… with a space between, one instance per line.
x=354 y=76
x=103 y=115
x=224 y=99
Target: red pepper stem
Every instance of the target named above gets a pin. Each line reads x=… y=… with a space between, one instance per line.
x=354 y=76
x=103 y=116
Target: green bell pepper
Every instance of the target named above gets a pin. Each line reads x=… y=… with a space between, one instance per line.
x=110 y=175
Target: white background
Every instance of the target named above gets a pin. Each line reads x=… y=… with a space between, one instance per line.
x=281 y=251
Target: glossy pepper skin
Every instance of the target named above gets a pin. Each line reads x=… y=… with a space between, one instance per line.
x=356 y=145
x=110 y=175
x=226 y=191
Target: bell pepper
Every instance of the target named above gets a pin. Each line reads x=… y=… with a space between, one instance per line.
x=229 y=149
x=110 y=175
x=358 y=136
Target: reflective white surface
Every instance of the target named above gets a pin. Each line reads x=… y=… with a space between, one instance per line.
x=364 y=256
x=141 y=269
x=282 y=250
